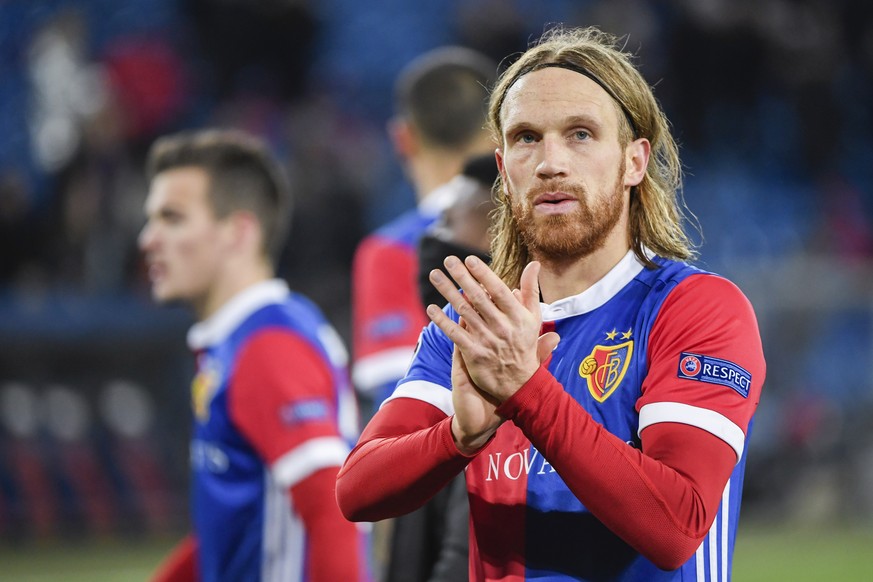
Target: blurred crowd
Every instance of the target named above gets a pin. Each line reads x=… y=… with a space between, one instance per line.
x=770 y=101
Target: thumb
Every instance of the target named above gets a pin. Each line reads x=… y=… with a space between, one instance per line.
x=545 y=344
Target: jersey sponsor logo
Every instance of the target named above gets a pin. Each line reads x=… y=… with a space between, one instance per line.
x=514 y=466
x=203 y=388
x=604 y=368
x=714 y=371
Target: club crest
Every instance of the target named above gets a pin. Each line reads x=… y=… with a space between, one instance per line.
x=203 y=388
x=605 y=367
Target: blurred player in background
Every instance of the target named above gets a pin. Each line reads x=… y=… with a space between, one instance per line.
x=462 y=228
x=441 y=102
x=434 y=543
x=597 y=389
x=273 y=408
x=441 y=99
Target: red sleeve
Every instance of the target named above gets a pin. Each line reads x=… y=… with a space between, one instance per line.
x=333 y=550
x=704 y=318
x=404 y=457
x=181 y=564
x=387 y=314
x=282 y=399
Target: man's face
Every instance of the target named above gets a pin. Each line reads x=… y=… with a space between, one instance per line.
x=562 y=163
x=183 y=242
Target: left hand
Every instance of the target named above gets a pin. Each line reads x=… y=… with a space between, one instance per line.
x=500 y=341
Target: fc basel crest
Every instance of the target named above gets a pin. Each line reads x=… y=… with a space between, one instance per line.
x=203 y=389
x=605 y=368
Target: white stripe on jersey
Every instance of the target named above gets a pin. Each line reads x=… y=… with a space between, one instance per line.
x=715 y=545
x=307 y=458
x=703 y=418
x=429 y=392
x=284 y=536
x=725 y=521
x=713 y=549
x=373 y=371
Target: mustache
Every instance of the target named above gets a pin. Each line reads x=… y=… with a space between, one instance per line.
x=575 y=190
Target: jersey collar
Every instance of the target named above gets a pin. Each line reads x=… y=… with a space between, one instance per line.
x=230 y=315
x=440 y=198
x=598 y=294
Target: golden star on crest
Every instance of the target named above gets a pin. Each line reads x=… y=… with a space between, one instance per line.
x=627 y=334
x=611 y=334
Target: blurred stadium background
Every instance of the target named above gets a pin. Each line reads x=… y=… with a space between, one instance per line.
x=771 y=101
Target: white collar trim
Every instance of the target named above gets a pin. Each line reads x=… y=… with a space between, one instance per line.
x=598 y=294
x=230 y=315
x=440 y=198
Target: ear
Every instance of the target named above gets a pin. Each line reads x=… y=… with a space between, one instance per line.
x=244 y=232
x=498 y=156
x=636 y=158
x=403 y=137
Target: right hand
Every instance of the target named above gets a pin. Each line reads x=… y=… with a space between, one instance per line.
x=475 y=417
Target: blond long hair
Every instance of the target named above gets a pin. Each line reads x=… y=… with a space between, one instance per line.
x=657 y=209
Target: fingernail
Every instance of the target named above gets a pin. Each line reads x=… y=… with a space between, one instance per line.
x=473 y=260
x=451 y=261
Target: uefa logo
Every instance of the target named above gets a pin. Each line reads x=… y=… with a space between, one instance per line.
x=690 y=366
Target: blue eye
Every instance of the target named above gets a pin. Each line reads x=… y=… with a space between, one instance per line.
x=582 y=134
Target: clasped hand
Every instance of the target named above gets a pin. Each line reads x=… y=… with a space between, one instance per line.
x=497 y=340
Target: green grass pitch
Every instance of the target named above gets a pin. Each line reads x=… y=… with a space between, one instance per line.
x=764 y=554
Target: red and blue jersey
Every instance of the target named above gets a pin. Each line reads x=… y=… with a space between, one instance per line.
x=272 y=406
x=640 y=347
x=387 y=313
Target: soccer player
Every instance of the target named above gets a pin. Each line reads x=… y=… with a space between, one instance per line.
x=462 y=228
x=274 y=411
x=597 y=389
x=441 y=101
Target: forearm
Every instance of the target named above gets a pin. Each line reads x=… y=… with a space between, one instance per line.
x=392 y=474
x=661 y=512
x=333 y=549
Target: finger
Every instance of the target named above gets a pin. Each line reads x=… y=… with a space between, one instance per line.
x=530 y=286
x=455 y=332
x=474 y=293
x=459 y=301
x=496 y=289
x=546 y=344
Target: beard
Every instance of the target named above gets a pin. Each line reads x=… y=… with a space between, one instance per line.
x=569 y=236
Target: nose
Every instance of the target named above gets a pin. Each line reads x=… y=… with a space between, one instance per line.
x=146 y=237
x=554 y=158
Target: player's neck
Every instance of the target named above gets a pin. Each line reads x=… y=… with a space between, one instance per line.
x=430 y=171
x=234 y=279
x=560 y=278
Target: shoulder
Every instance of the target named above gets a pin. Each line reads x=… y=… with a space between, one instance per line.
x=293 y=323
x=678 y=282
x=708 y=292
x=404 y=230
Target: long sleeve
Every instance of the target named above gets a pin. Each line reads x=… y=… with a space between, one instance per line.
x=333 y=549
x=405 y=455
